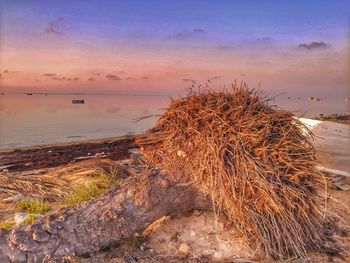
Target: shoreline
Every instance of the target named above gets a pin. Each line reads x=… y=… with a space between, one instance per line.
x=69 y=143
x=55 y=155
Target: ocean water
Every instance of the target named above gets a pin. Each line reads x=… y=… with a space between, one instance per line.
x=38 y=119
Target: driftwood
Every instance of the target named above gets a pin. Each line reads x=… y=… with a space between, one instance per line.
x=102 y=222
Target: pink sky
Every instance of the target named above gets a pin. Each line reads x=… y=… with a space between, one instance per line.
x=83 y=50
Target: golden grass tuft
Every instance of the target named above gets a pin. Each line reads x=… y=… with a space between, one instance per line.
x=255 y=160
x=34 y=206
x=7 y=224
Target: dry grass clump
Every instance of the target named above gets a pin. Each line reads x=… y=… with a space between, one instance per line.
x=255 y=160
x=42 y=186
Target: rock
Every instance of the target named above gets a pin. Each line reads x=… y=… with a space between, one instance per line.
x=136 y=158
x=130 y=259
x=184 y=249
x=117 y=260
x=181 y=153
x=20 y=217
x=40 y=235
x=197 y=212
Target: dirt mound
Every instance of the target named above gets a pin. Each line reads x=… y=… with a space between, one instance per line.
x=255 y=160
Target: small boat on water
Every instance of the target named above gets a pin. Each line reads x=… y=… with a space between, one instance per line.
x=29 y=94
x=78 y=101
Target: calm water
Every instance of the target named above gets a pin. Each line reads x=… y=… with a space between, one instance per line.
x=38 y=119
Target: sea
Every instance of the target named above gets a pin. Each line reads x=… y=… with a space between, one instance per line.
x=40 y=119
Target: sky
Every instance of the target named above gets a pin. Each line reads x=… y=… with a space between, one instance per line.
x=160 y=47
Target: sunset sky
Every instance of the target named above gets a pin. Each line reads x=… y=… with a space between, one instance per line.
x=161 y=46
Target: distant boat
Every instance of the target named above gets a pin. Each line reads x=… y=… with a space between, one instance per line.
x=29 y=94
x=78 y=101
x=313 y=99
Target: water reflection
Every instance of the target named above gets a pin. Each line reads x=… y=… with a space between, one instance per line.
x=39 y=119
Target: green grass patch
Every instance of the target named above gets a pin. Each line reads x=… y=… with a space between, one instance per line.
x=94 y=187
x=83 y=193
x=7 y=224
x=34 y=206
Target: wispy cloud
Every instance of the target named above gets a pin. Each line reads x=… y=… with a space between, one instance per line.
x=225 y=47
x=263 y=39
x=59 y=78
x=313 y=45
x=6 y=71
x=145 y=77
x=188 y=80
x=214 y=78
x=198 y=30
x=113 y=77
x=49 y=74
x=185 y=35
x=55 y=27
x=91 y=79
x=113 y=110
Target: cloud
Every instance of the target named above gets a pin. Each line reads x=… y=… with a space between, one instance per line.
x=198 y=30
x=49 y=74
x=6 y=71
x=313 y=45
x=113 y=77
x=214 y=78
x=264 y=39
x=121 y=72
x=145 y=77
x=59 y=78
x=76 y=79
x=225 y=47
x=91 y=79
x=55 y=27
x=189 y=34
x=189 y=80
